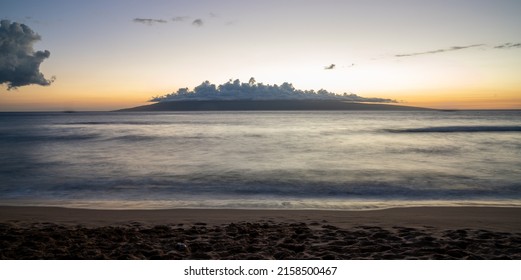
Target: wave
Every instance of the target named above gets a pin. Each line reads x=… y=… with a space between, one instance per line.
x=257 y=204
x=118 y=123
x=73 y=137
x=198 y=186
x=48 y=138
x=457 y=129
x=133 y=138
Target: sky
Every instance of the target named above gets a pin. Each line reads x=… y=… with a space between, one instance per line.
x=105 y=55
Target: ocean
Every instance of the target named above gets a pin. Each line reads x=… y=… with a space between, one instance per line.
x=355 y=160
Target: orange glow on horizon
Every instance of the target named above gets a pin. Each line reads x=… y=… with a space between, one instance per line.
x=67 y=97
x=463 y=99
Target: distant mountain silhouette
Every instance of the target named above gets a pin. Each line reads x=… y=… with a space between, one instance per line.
x=269 y=105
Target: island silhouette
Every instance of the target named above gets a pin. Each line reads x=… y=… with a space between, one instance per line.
x=253 y=96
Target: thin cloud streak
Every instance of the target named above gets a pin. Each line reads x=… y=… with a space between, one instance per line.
x=148 y=21
x=508 y=46
x=455 y=48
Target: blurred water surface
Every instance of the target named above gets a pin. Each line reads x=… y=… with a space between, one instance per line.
x=280 y=160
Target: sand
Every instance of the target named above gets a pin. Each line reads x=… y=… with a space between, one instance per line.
x=400 y=233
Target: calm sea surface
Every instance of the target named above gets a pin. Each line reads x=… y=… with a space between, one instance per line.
x=294 y=160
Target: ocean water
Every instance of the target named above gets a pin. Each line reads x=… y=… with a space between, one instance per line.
x=274 y=160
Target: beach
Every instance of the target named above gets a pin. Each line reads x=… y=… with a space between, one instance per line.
x=398 y=233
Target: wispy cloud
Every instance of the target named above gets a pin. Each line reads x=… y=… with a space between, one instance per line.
x=330 y=67
x=508 y=46
x=148 y=21
x=198 y=22
x=177 y=19
x=455 y=48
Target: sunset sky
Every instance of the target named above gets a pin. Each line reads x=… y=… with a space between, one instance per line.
x=115 y=54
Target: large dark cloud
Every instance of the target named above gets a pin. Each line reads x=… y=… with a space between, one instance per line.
x=455 y=48
x=19 y=63
x=149 y=21
x=235 y=90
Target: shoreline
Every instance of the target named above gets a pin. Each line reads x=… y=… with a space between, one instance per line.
x=483 y=217
x=398 y=233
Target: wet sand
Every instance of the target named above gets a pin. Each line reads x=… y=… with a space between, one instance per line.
x=400 y=233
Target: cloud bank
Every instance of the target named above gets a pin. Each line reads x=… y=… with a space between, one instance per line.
x=235 y=90
x=19 y=63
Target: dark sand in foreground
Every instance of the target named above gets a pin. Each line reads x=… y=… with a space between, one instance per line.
x=401 y=233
